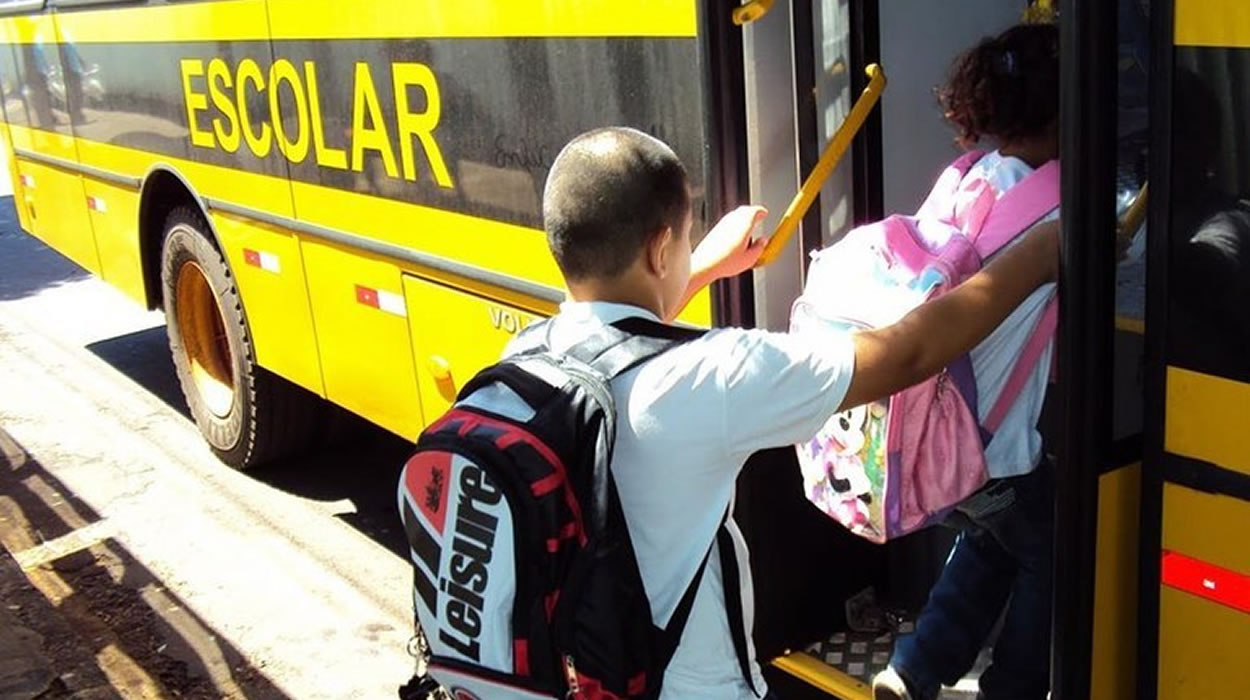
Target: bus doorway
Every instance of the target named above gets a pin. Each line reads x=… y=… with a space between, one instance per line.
x=830 y=604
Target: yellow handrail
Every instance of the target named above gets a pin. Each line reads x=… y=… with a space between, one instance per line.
x=822 y=676
x=1131 y=221
x=824 y=167
x=750 y=11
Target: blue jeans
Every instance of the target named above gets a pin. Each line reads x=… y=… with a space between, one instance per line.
x=1002 y=559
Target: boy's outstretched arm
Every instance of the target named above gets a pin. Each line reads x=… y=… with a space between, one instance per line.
x=932 y=336
x=726 y=250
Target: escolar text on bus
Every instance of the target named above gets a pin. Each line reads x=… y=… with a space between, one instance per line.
x=227 y=124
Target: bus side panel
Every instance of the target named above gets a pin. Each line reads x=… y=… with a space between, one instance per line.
x=455 y=334
x=269 y=271
x=8 y=91
x=40 y=121
x=114 y=212
x=1115 y=586
x=362 y=329
x=1202 y=641
x=57 y=205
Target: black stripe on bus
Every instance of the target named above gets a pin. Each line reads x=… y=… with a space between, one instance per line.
x=1205 y=476
x=505 y=108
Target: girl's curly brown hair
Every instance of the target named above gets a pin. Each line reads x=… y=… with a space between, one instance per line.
x=1006 y=88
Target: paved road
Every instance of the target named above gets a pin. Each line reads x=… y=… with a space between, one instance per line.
x=288 y=582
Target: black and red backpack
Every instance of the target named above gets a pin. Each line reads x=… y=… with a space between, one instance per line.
x=525 y=580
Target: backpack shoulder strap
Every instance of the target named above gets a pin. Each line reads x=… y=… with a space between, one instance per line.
x=621 y=346
x=1022 y=206
x=533 y=338
x=1037 y=343
x=940 y=202
x=731 y=588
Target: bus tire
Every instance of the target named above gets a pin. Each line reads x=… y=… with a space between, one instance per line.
x=247 y=414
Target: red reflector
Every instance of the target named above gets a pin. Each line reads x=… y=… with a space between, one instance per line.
x=251 y=257
x=366 y=296
x=1223 y=586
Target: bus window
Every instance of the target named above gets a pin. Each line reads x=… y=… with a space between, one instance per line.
x=16 y=6
x=1209 y=317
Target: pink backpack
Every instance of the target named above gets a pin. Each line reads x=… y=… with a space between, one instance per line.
x=892 y=467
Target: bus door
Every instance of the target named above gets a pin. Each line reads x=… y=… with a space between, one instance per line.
x=828 y=603
x=42 y=111
x=1195 y=568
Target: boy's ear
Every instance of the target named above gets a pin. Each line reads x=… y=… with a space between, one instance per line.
x=658 y=251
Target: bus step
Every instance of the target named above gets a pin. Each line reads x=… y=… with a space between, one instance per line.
x=862 y=654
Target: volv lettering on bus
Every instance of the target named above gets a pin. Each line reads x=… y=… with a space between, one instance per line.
x=472 y=549
x=509 y=322
x=217 y=101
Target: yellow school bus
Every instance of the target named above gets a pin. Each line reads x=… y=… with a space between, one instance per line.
x=330 y=200
x=338 y=203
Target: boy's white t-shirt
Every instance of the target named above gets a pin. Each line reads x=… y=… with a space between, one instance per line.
x=1017 y=446
x=687 y=422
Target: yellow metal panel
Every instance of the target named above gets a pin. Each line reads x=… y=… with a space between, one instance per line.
x=1206 y=526
x=58 y=209
x=1203 y=644
x=1203 y=648
x=53 y=144
x=229 y=20
x=1213 y=23
x=270 y=274
x=381 y=19
x=114 y=220
x=699 y=311
x=455 y=334
x=264 y=192
x=19 y=193
x=366 y=353
x=1206 y=419
x=1114 y=665
x=31 y=29
x=819 y=675
x=509 y=249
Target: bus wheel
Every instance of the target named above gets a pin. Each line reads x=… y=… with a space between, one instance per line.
x=247 y=414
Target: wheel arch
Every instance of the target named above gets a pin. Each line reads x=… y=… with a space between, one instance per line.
x=164 y=189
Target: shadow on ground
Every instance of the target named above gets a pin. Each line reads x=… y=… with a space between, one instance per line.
x=143 y=638
x=356 y=461
x=27 y=266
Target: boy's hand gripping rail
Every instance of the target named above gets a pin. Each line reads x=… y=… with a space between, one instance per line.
x=751 y=10
x=824 y=167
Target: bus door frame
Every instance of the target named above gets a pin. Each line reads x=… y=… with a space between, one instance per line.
x=1088 y=85
x=1150 y=527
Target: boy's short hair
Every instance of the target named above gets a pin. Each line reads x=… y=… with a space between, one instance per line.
x=609 y=191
